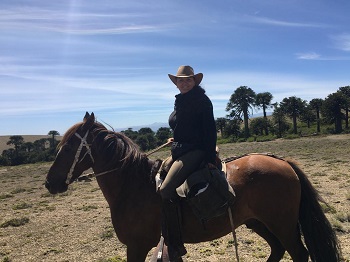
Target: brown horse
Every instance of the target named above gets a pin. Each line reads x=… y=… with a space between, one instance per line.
x=273 y=197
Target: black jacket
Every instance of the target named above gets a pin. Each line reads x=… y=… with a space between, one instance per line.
x=193 y=123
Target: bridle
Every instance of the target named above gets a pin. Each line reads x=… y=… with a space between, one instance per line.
x=84 y=143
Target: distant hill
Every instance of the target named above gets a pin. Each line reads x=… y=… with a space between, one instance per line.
x=27 y=138
x=32 y=138
x=154 y=127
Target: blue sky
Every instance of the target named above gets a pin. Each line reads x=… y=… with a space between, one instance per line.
x=59 y=59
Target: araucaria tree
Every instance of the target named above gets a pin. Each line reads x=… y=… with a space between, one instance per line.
x=53 y=133
x=241 y=101
x=263 y=100
x=345 y=90
x=17 y=142
x=278 y=118
x=293 y=107
x=316 y=104
x=332 y=110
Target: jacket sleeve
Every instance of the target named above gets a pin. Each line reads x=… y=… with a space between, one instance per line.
x=209 y=134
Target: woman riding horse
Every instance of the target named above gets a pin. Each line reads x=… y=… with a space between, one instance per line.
x=194 y=142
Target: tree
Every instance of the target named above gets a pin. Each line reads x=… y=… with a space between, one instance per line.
x=130 y=134
x=148 y=134
x=279 y=120
x=53 y=133
x=17 y=141
x=220 y=125
x=240 y=102
x=9 y=155
x=142 y=142
x=307 y=116
x=233 y=128
x=293 y=107
x=258 y=125
x=28 y=146
x=345 y=90
x=162 y=135
x=332 y=110
x=40 y=145
x=145 y=131
x=263 y=101
x=316 y=104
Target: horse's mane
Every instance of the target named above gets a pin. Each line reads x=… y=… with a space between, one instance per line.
x=69 y=133
x=117 y=148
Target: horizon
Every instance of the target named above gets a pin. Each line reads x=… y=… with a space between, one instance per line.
x=61 y=59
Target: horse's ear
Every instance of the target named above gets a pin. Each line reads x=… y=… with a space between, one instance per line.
x=89 y=120
x=87 y=115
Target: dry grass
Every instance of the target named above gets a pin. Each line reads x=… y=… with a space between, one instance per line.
x=5 y=139
x=75 y=226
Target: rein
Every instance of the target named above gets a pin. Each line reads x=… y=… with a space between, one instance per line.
x=149 y=153
x=158 y=148
x=84 y=143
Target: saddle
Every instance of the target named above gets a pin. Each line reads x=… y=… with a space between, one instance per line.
x=206 y=190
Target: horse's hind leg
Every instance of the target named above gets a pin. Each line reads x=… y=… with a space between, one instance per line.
x=295 y=247
x=290 y=238
x=277 y=249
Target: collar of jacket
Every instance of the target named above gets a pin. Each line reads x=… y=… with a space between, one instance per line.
x=194 y=92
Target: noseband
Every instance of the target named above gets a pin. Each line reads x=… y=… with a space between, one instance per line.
x=83 y=143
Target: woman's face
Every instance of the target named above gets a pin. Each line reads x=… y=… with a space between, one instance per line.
x=185 y=84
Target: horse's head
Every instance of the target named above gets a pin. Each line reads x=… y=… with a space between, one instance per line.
x=74 y=156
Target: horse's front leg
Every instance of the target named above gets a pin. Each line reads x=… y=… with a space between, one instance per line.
x=137 y=252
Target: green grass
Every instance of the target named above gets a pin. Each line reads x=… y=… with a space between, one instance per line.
x=6 y=259
x=5 y=196
x=88 y=207
x=18 y=190
x=107 y=234
x=23 y=205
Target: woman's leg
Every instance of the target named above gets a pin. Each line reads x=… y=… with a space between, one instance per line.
x=179 y=172
x=171 y=229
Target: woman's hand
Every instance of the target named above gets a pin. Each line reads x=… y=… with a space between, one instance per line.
x=170 y=141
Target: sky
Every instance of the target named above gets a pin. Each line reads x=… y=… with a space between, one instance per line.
x=59 y=59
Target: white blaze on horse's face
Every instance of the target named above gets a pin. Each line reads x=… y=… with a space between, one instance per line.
x=83 y=143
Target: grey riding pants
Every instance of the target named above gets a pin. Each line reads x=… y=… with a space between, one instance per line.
x=179 y=171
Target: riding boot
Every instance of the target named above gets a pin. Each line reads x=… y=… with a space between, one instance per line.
x=171 y=229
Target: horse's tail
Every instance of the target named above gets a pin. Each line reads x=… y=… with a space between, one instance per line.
x=320 y=238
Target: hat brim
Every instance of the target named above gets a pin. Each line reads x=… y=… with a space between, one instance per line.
x=197 y=78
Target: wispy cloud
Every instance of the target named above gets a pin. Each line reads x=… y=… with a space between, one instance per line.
x=275 y=22
x=308 y=56
x=76 y=22
x=316 y=56
x=342 y=41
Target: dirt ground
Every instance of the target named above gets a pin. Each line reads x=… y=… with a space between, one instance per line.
x=76 y=225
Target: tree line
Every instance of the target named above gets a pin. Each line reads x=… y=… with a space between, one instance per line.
x=238 y=125
x=41 y=150
x=333 y=110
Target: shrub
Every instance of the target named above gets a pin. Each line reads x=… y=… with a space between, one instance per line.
x=15 y=222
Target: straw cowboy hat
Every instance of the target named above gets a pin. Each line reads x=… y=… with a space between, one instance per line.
x=186 y=71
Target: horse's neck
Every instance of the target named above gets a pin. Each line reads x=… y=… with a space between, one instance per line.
x=127 y=187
